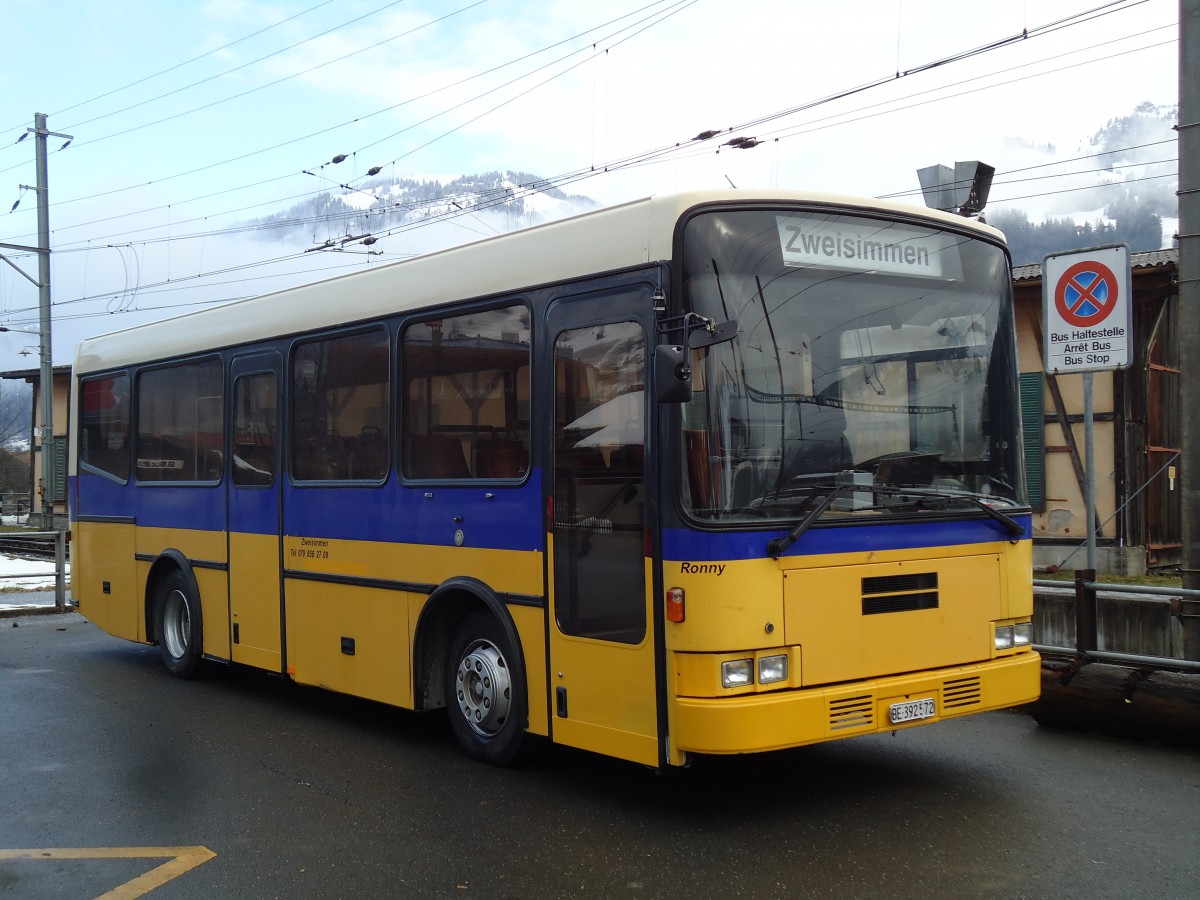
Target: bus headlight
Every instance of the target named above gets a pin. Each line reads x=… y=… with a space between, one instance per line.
x=737 y=673
x=1004 y=637
x=772 y=669
x=1023 y=634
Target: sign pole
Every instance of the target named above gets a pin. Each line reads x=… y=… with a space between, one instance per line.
x=1089 y=452
x=1189 y=301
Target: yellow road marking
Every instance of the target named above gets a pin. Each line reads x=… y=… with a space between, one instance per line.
x=182 y=859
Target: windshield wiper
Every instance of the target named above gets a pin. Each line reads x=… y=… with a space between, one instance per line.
x=1014 y=528
x=777 y=545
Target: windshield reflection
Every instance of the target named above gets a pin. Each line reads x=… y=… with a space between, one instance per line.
x=872 y=356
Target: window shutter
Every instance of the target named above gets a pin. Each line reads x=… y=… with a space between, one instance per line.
x=58 y=489
x=1033 y=431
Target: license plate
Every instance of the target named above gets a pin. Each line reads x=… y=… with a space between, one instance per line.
x=913 y=710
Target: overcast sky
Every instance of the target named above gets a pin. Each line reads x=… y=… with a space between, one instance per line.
x=189 y=117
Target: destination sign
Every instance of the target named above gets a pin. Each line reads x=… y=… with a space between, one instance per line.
x=862 y=245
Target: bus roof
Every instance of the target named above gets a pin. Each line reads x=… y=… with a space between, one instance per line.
x=610 y=239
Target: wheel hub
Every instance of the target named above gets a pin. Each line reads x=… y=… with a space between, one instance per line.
x=484 y=688
x=177 y=624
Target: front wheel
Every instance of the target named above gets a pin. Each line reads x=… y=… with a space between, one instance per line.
x=179 y=630
x=485 y=691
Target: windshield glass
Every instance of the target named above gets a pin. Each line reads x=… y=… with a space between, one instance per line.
x=869 y=353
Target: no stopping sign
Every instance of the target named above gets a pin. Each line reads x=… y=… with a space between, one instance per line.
x=1087 y=310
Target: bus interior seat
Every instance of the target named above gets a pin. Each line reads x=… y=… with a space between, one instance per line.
x=628 y=460
x=369 y=459
x=437 y=456
x=501 y=457
x=583 y=462
x=741 y=488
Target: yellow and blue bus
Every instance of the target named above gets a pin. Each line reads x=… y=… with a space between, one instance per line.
x=707 y=473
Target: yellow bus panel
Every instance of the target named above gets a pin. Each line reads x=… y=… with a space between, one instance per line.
x=104 y=578
x=530 y=622
x=843 y=616
x=729 y=604
x=351 y=639
x=512 y=571
x=254 y=600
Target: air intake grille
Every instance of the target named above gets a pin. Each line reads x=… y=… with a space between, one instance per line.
x=852 y=712
x=891 y=584
x=960 y=692
x=899 y=593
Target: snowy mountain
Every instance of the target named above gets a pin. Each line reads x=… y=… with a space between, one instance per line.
x=380 y=206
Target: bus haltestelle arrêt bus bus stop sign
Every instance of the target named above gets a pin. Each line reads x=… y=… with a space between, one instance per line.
x=1087 y=309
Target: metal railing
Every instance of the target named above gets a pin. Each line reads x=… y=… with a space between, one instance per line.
x=1086 y=637
x=60 y=560
x=13 y=503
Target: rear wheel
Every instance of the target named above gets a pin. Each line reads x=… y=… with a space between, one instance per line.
x=179 y=629
x=485 y=691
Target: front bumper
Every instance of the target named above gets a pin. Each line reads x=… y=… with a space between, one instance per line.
x=773 y=721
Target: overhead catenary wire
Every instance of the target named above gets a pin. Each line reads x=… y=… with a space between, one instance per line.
x=362 y=118
x=183 y=113
x=924 y=67
x=808 y=129
x=187 y=112
x=182 y=64
x=1026 y=34
x=555 y=180
x=226 y=72
x=672 y=8
x=839 y=119
x=653 y=155
x=482 y=206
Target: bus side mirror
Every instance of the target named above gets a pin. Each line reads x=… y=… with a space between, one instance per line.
x=672 y=374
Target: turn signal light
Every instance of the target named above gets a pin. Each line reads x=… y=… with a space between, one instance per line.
x=675 y=610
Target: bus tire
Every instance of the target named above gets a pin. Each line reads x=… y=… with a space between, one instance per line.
x=485 y=691
x=178 y=625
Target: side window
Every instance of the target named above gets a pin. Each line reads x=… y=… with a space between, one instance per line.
x=181 y=422
x=599 y=497
x=466 y=396
x=254 y=438
x=339 y=411
x=104 y=424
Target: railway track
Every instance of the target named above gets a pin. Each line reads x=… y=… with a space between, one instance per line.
x=27 y=548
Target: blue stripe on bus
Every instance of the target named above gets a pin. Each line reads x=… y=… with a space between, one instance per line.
x=679 y=543
x=98 y=496
x=163 y=506
x=510 y=520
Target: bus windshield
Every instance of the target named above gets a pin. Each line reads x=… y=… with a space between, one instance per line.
x=874 y=360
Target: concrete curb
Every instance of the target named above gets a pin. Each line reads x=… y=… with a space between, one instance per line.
x=32 y=603
x=12 y=612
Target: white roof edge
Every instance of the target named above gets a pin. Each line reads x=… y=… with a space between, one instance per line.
x=609 y=239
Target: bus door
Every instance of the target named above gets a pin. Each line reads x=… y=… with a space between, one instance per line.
x=602 y=670
x=255 y=609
